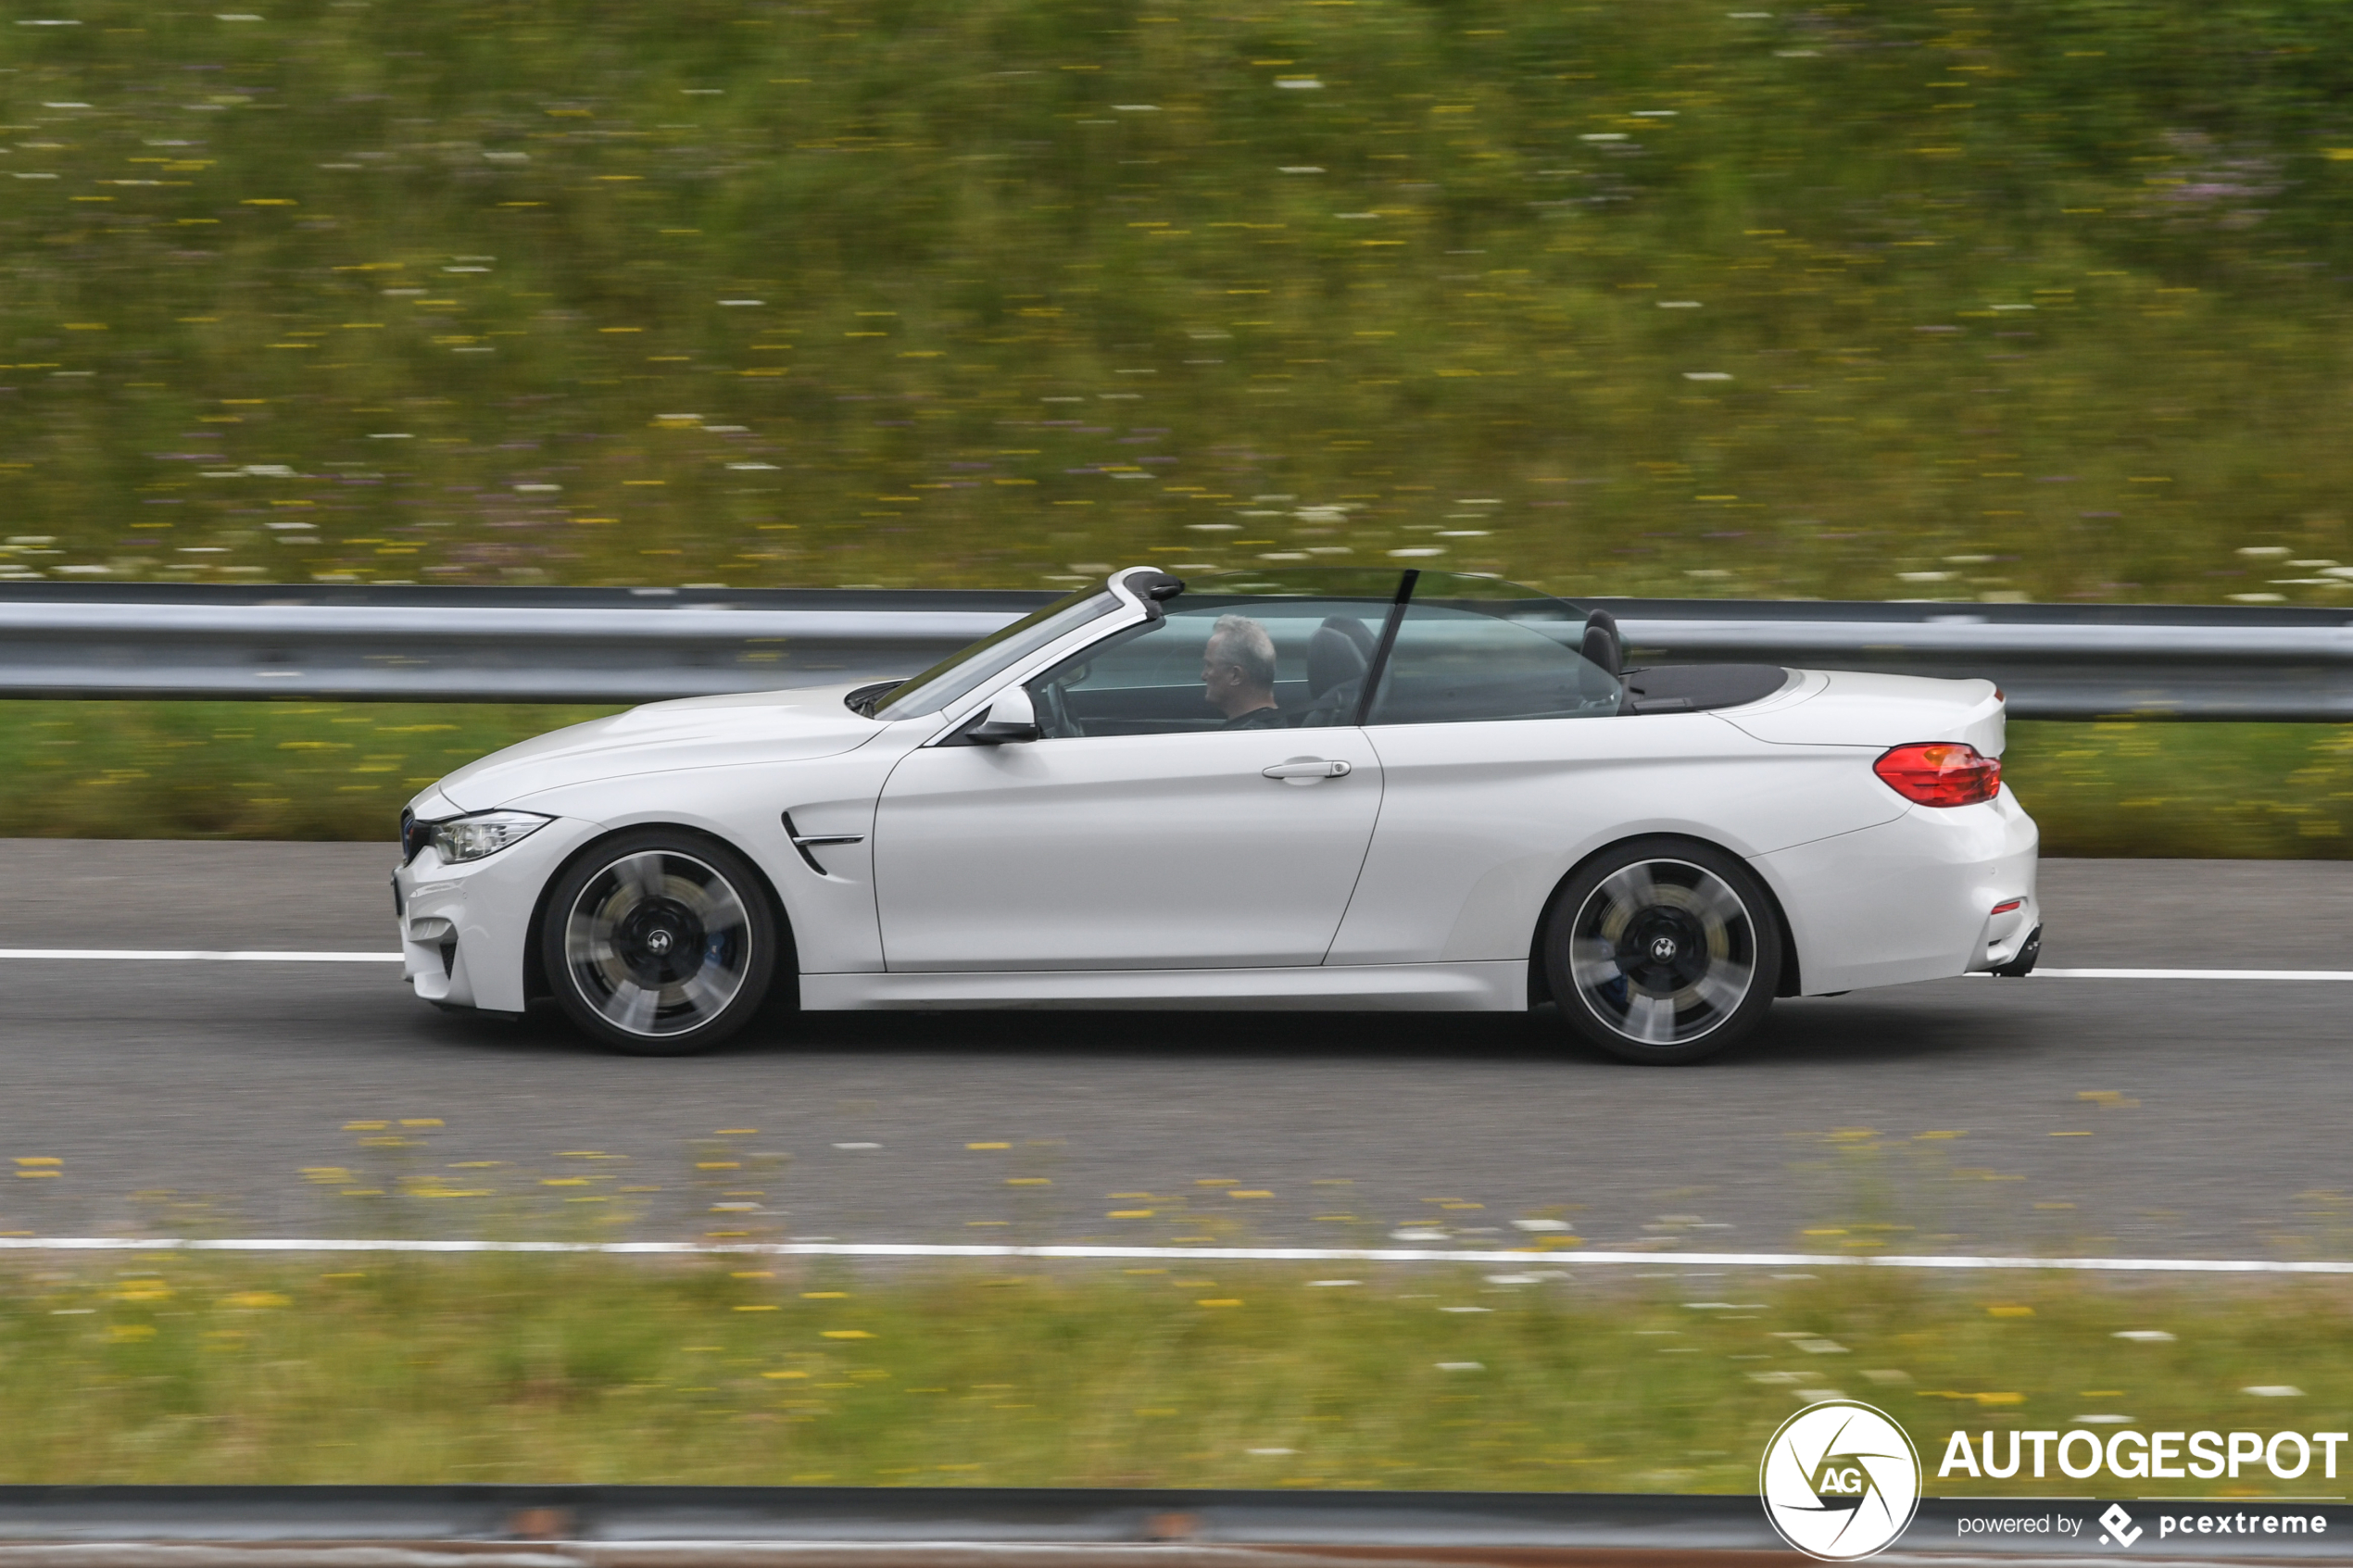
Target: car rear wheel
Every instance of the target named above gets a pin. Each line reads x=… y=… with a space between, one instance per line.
x=660 y=942
x=1663 y=950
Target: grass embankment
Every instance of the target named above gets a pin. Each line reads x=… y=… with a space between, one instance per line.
x=2033 y=298
x=201 y=770
x=177 y=1369
x=240 y=769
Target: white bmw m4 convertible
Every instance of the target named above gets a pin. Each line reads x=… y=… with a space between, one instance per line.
x=1318 y=790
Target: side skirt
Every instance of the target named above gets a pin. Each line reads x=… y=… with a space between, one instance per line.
x=1500 y=986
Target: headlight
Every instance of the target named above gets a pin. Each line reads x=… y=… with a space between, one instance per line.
x=469 y=838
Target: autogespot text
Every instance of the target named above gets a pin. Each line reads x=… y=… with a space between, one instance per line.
x=2131 y=1456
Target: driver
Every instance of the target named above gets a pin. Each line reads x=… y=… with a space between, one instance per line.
x=1237 y=674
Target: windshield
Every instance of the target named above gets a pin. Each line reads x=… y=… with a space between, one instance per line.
x=967 y=668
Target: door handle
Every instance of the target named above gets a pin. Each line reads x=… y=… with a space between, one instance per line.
x=1306 y=770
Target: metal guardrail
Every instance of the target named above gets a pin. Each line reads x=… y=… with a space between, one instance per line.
x=625 y=645
x=1038 y=1515
x=1518 y=1527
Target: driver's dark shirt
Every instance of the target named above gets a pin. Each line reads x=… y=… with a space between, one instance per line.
x=1256 y=719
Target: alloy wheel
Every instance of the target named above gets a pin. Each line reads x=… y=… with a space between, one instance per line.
x=1663 y=952
x=658 y=943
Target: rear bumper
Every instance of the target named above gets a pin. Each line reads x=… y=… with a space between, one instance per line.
x=2028 y=954
x=1913 y=898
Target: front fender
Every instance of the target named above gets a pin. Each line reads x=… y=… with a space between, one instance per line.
x=827 y=893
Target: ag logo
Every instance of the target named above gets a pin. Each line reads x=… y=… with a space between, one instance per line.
x=1841 y=1481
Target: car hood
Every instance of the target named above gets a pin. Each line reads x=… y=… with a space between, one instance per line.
x=1848 y=707
x=699 y=732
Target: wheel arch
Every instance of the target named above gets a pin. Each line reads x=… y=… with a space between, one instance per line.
x=783 y=987
x=1539 y=984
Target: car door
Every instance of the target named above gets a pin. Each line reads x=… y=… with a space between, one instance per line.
x=1144 y=830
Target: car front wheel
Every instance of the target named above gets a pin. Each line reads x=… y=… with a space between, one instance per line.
x=659 y=943
x=1663 y=950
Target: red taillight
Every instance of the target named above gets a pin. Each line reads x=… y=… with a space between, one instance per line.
x=1940 y=774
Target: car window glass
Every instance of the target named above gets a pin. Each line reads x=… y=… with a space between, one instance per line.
x=1149 y=679
x=1453 y=664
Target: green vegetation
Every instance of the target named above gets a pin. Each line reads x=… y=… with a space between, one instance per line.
x=250 y=770
x=2192 y=791
x=239 y=770
x=2029 y=298
x=190 y=1369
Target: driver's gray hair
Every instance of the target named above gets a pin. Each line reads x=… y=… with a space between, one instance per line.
x=1244 y=644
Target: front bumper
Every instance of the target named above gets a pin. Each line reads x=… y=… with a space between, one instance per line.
x=465 y=929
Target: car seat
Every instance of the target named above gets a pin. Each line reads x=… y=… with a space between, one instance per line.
x=1338 y=656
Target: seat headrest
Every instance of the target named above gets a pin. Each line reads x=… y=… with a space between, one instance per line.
x=1602 y=646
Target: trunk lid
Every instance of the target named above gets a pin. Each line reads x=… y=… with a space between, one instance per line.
x=1848 y=707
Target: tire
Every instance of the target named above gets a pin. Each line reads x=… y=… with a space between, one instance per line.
x=1663 y=950
x=660 y=942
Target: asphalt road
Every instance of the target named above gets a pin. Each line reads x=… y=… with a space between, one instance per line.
x=2149 y=1118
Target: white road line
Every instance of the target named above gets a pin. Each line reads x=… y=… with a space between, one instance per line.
x=2192 y=974
x=193 y=956
x=1521 y=1256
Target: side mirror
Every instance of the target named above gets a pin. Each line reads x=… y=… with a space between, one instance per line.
x=1009 y=718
